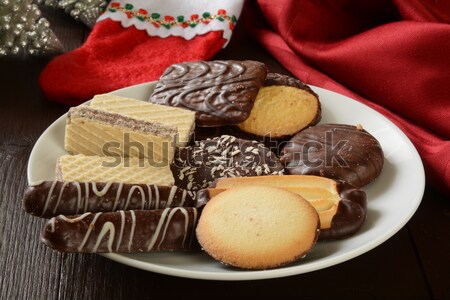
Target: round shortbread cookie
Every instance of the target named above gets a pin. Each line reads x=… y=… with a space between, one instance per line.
x=257 y=227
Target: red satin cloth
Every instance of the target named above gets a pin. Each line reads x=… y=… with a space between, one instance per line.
x=392 y=55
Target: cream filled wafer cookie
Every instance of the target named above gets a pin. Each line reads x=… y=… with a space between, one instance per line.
x=182 y=119
x=52 y=198
x=283 y=107
x=342 y=208
x=170 y=229
x=257 y=227
x=92 y=131
x=112 y=169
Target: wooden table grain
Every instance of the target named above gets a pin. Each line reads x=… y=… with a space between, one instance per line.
x=413 y=264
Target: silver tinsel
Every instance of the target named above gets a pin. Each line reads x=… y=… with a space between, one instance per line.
x=23 y=31
x=86 y=11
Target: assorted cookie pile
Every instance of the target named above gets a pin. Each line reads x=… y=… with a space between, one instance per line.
x=223 y=155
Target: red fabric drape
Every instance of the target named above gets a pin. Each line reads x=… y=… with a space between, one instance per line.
x=392 y=55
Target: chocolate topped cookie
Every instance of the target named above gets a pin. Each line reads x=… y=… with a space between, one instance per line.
x=336 y=151
x=196 y=167
x=169 y=229
x=220 y=92
x=52 y=198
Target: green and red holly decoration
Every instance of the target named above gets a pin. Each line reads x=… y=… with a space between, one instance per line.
x=170 y=21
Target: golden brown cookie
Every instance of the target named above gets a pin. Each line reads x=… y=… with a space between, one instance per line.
x=342 y=208
x=283 y=107
x=257 y=227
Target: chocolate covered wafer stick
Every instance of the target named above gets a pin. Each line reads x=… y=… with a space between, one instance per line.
x=51 y=198
x=170 y=229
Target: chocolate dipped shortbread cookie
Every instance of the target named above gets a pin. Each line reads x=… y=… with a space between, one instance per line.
x=52 y=198
x=195 y=167
x=220 y=92
x=342 y=208
x=338 y=151
x=283 y=107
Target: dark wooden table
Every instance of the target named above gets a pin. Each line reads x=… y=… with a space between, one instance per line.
x=413 y=264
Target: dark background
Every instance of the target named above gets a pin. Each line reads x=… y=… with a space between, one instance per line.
x=413 y=264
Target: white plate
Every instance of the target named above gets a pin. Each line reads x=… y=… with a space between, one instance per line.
x=393 y=197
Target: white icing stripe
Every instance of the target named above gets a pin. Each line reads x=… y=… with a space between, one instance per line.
x=86 y=196
x=158 y=229
x=88 y=233
x=52 y=223
x=107 y=227
x=49 y=195
x=59 y=197
x=77 y=185
x=130 y=194
x=156 y=197
x=183 y=198
x=149 y=202
x=122 y=225
x=169 y=218
x=173 y=190
x=119 y=191
x=186 y=223
x=133 y=225
x=103 y=191
x=74 y=220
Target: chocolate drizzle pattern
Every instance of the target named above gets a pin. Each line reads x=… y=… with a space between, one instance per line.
x=170 y=229
x=220 y=92
x=52 y=198
x=196 y=167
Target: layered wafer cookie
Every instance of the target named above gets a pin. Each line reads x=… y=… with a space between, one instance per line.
x=52 y=198
x=112 y=169
x=170 y=229
x=182 y=119
x=94 y=131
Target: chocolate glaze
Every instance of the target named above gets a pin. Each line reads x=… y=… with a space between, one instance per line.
x=195 y=167
x=220 y=92
x=336 y=151
x=51 y=198
x=170 y=229
x=350 y=215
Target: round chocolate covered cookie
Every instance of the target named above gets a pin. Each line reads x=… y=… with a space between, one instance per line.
x=336 y=151
x=197 y=166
